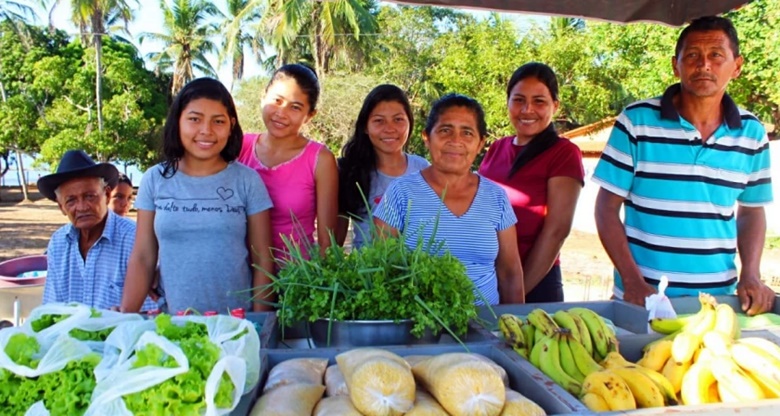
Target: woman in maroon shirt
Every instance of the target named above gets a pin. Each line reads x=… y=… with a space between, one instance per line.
x=542 y=174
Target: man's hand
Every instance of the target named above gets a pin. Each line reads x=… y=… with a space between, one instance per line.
x=755 y=296
x=636 y=292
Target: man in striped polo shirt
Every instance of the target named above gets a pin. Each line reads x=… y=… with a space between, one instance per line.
x=679 y=164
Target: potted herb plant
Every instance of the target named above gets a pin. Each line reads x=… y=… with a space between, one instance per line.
x=383 y=282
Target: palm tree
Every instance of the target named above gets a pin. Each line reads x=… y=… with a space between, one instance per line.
x=329 y=28
x=14 y=10
x=187 y=38
x=237 y=31
x=93 y=18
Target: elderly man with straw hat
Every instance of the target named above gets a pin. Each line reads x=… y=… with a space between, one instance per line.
x=87 y=258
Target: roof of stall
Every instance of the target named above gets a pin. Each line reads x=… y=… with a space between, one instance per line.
x=670 y=12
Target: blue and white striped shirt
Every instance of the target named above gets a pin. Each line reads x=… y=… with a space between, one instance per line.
x=472 y=237
x=97 y=281
x=680 y=193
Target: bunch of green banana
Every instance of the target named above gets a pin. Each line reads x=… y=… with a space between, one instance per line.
x=584 y=325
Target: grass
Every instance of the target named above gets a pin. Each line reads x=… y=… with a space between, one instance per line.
x=772 y=243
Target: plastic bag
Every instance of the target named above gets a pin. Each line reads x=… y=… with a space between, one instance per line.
x=658 y=305
x=54 y=357
x=239 y=359
x=107 y=319
x=38 y=409
x=76 y=312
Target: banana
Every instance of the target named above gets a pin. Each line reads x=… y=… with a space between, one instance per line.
x=674 y=372
x=568 y=362
x=510 y=326
x=582 y=359
x=703 y=355
x=656 y=356
x=528 y=334
x=542 y=321
x=733 y=382
x=714 y=395
x=664 y=385
x=596 y=328
x=536 y=351
x=645 y=391
x=669 y=337
x=768 y=346
x=717 y=342
x=564 y=320
x=538 y=334
x=585 y=338
x=696 y=384
x=684 y=346
x=615 y=360
x=612 y=388
x=726 y=321
x=595 y=402
x=550 y=364
x=762 y=367
x=670 y=325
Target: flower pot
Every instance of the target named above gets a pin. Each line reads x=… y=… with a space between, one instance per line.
x=367 y=333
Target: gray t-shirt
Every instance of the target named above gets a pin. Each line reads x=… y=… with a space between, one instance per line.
x=201 y=229
x=379 y=184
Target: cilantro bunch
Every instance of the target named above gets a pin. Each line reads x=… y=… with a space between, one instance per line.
x=65 y=392
x=383 y=280
x=185 y=393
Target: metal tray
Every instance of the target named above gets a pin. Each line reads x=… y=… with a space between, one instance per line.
x=628 y=318
x=298 y=337
x=266 y=327
x=523 y=376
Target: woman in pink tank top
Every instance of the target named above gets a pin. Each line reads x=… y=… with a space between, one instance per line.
x=300 y=174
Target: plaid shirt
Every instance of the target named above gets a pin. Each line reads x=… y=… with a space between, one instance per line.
x=97 y=281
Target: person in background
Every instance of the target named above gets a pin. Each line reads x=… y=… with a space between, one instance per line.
x=122 y=196
x=542 y=175
x=202 y=216
x=372 y=158
x=87 y=258
x=677 y=165
x=300 y=174
x=449 y=204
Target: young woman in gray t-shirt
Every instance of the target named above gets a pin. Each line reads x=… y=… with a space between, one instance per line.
x=202 y=216
x=373 y=157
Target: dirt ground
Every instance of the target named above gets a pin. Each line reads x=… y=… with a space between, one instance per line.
x=25 y=228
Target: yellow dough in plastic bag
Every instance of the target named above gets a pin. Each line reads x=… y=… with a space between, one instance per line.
x=297 y=370
x=463 y=384
x=519 y=405
x=380 y=383
x=336 y=405
x=500 y=370
x=289 y=400
x=415 y=359
x=426 y=405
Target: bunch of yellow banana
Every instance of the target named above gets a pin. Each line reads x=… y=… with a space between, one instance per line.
x=585 y=326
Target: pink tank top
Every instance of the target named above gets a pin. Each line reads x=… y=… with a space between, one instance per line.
x=292 y=187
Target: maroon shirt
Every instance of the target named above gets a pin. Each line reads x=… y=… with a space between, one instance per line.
x=527 y=188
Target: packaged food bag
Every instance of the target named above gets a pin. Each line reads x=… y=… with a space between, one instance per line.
x=296 y=371
x=336 y=405
x=380 y=383
x=658 y=305
x=463 y=384
x=499 y=370
x=289 y=400
x=426 y=405
x=519 y=405
x=335 y=385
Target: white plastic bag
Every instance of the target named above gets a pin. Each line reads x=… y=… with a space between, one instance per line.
x=54 y=357
x=37 y=409
x=221 y=330
x=76 y=312
x=107 y=319
x=658 y=305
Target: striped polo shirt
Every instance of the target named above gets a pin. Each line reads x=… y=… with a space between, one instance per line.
x=680 y=194
x=412 y=207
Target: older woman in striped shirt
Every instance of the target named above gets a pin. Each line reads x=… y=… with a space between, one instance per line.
x=469 y=216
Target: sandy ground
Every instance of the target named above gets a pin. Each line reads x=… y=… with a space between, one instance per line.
x=25 y=228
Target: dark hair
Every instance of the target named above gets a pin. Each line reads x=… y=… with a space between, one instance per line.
x=456 y=100
x=303 y=76
x=358 y=157
x=548 y=137
x=124 y=179
x=706 y=24
x=208 y=88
